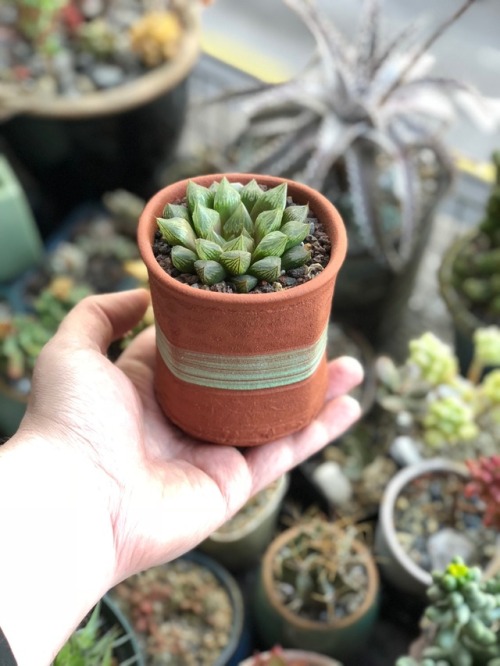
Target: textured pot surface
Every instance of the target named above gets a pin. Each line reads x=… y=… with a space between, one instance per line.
x=394 y=562
x=264 y=353
x=278 y=625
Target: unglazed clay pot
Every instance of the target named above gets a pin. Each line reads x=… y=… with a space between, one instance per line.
x=210 y=344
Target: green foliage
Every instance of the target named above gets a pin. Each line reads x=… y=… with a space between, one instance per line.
x=38 y=21
x=87 y=647
x=462 y=619
x=242 y=234
x=444 y=412
x=476 y=270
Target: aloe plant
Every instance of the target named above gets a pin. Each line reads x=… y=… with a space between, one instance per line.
x=242 y=234
x=362 y=124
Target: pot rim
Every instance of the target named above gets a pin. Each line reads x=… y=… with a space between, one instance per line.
x=332 y=222
x=253 y=522
x=305 y=623
x=309 y=658
x=142 y=90
x=392 y=492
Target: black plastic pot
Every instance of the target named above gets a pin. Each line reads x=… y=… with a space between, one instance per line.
x=127 y=651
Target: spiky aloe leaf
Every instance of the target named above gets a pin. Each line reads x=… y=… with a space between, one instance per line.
x=174 y=210
x=199 y=195
x=244 y=283
x=267 y=269
x=250 y=193
x=269 y=220
x=183 y=259
x=241 y=242
x=209 y=272
x=177 y=231
x=208 y=250
x=272 y=245
x=236 y=262
x=296 y=232
x=295 y=257
x=204 y=220
x=226 y=200
x=238 y=221
x=272 y=199
x=295 y=214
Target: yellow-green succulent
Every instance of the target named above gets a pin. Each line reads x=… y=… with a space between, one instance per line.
x=238 y=233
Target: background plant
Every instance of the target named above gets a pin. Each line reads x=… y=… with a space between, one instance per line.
x=439 y=409
x=462 y=619
x=238 y=233
x=485 y=484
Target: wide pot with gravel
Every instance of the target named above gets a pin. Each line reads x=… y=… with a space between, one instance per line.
x=242 y=271
x=425 y=518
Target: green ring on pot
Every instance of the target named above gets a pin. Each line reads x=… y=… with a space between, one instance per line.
x=242 y=373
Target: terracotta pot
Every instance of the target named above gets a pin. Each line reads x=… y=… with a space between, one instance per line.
x=278 y=625
x=240 y=328
x=292 y=658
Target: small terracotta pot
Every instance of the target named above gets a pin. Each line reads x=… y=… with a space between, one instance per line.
x=293 y=658
x=193 y=322
x=278 y=625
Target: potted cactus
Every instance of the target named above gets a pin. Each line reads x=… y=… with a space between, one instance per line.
x=437 y=411
x=460 y=624
x=317 y=590
x=427 y=510
x=242 y=270
x=105 y=638
x=362 y=125
x=469 y=275
x=280 y=657
x=93 y=96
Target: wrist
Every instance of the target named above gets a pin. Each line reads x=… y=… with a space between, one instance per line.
x=58 y=556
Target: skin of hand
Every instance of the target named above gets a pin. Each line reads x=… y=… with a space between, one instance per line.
x=105 y=486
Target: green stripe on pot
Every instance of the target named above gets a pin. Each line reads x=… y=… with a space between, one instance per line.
x=241 y=373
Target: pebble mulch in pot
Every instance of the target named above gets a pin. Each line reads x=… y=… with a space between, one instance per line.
x=434 y=521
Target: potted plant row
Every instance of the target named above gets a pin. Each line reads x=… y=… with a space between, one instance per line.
x=242 y=271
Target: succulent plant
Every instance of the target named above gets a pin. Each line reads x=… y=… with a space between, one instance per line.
x=485 y=484
x=439 y=409
x=37 y=21
x=476 y=268
x=361 y=124
x=238 y=233
x=155 y=37
x=319 y=575
x=462 y=619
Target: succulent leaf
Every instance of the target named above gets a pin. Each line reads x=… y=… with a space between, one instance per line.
x=226 y=200
x=236 y=262
x=208 y=250
x=267 y=269
x=295 y=214
x=205 y=220
x=244 y=283
x=267 y=221
x=177 y=231
x=295 y=257
x=241 y=242
x=216 y=238
x=272 y=199
x=272 y=245
x=175 y=210
x=238 y=221
x=183 y=259
x=209 y=272
x=198 y=195
x=296 y=232
x=250 y=193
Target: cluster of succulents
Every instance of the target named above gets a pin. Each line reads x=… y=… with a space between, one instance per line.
x=485 y=484
x=462 y=619
x=442 y=411
x=319 y=575
x=37 y=21
x=364 y=115
x=476 y=268
x=242 y=234
x=88 y=646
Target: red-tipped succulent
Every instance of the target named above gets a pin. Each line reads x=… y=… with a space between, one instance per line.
x=485 y=484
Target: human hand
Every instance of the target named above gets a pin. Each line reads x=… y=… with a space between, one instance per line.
x=166 y=491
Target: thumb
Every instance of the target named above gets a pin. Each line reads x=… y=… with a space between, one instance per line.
x=98 y=320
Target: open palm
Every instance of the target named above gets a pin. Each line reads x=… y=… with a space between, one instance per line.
x=161 y=491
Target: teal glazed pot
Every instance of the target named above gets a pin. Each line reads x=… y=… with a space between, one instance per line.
x=277 y=625
x=12 y=408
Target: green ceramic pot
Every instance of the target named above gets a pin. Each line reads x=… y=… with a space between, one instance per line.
x=278 y=625
x=242 y=548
